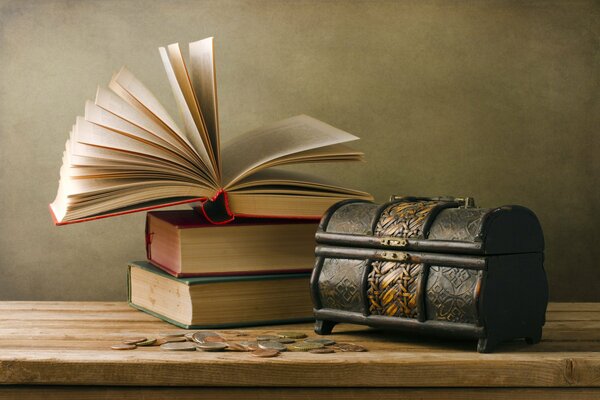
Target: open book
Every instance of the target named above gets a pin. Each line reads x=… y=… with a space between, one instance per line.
x=127 y=154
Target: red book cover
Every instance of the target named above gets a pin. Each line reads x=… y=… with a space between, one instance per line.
x=244 y=246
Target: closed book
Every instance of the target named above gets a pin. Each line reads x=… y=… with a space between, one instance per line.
x=184 y=243
x=219 y=302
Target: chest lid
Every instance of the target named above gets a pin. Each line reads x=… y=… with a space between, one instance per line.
x=432 y=224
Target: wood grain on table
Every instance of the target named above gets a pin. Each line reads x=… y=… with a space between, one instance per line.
x=68 y=344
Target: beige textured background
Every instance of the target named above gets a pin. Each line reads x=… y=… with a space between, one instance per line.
x=497 y=100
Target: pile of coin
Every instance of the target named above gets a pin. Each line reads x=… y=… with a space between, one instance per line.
x=263 y=346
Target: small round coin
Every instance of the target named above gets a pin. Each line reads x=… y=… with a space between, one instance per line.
x=292 y=335
x=322 y=350
x=285 y=340
x=134 y=340
x=233 y=346
x=170 y=339
x=304 y=346
x=123 y=346
x=265 y=353
x=147 y=342
x=217 y=339
x=178 y=346
x=249 y=346
x=350 y=347
x=323 y=341
x=211 y=346
x=189 y=336
x=201 y=336
x=262 y=338
x=271 y=344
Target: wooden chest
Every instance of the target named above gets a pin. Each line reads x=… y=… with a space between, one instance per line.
x=434 y=266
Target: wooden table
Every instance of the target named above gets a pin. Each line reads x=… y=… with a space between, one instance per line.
x=61 y=350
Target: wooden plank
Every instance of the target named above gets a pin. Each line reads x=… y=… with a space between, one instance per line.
x=153 y=325
x=113 y=306
x=103 y=331
x=91 y=340
x=573 y=316
x=552 y=307
x=572 y=335
x=57 y=343
x=59 y=315
x=579 y=325
x=76 y=306
x=61 y=326
x=450 y=369
x=157 y=393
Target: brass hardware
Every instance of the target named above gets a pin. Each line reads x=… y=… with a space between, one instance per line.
x=466 y=202
x=394 y=256
x=392 y=241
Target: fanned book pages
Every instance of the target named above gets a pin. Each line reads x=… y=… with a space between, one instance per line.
x=128 y=154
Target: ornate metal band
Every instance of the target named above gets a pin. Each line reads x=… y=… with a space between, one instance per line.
x=405 y=220
x=394 y=287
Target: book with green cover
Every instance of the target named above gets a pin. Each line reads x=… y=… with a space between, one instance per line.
x=219 y=301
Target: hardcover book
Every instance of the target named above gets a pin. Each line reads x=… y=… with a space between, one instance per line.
x=218 y=302
x=183 y=243
x=128 y=154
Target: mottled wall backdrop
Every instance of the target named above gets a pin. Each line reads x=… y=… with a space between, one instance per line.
x=492 y=99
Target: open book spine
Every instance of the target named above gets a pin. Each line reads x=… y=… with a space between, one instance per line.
x=216 y=210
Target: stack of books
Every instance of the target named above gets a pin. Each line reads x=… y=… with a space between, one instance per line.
x=247 y=272
x=243 y=256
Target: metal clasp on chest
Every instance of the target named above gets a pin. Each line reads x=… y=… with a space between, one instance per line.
x=395 y=256
x=393 y=241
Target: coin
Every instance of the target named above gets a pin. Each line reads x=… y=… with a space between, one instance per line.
x=265 y=353
x=201 y=336
x=350 y=347
x=285 y=340
x=232 y=346
x=134 y=340
x=322 y=350
x=304 y=346
x=211 y=346
x=262 y=338
x=292 y=335
x=271 y=344
x=148 y=342
x=175 y=333
x=217 y=339
x=170 y=339
x=323 y=341
x=249 y=346
x=178 y=346
x=123 y=346
x=188 y=336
